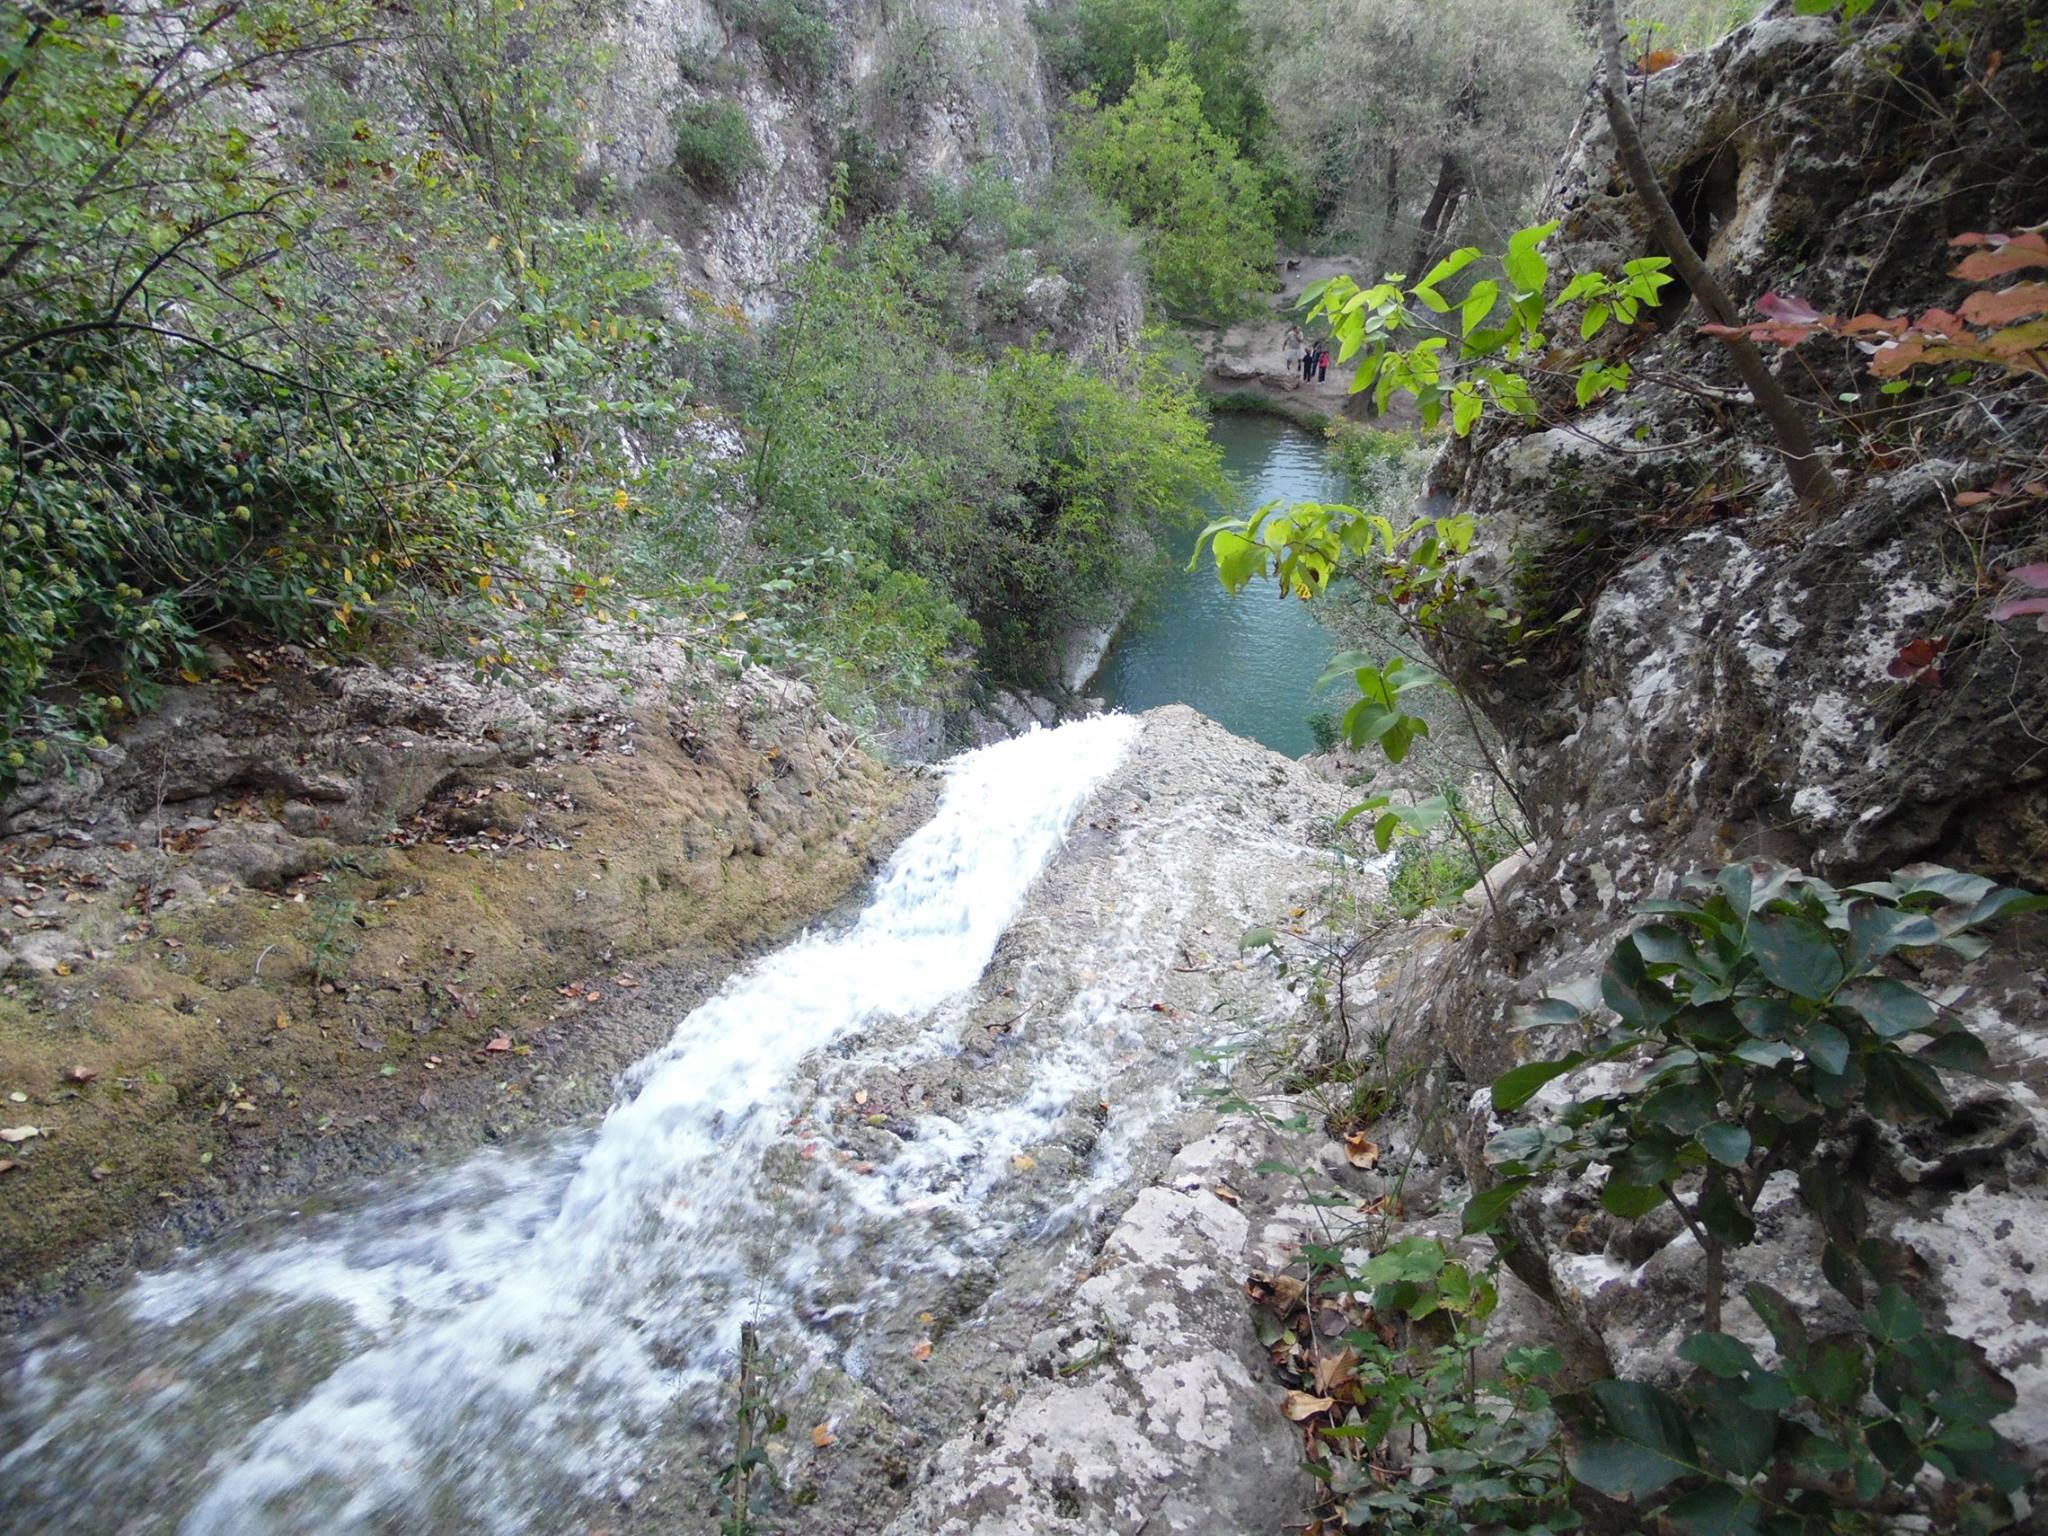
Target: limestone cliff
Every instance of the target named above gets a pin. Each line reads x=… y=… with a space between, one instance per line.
x=1736 y=687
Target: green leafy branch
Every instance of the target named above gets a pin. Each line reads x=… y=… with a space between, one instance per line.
x=1477 y=350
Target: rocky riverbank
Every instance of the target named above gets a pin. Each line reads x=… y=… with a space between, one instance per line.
x=307 y=920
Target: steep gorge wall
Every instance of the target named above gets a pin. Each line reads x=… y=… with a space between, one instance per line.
x=1728 y=694
x=909 y=92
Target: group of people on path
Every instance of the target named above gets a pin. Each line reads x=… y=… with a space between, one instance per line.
x=1314 y=355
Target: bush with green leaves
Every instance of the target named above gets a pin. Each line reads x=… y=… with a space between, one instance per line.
x=294 y=384
x=1768 y=1012
x=795 y=36
x=1405 y=336
x=1022 y=490
x=1412 y=1431
x=715 y=145
x=1200 y=208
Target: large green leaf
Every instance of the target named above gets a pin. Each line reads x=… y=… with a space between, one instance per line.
x=1720 y=1354
x=1627 y=987
x=1644 y=1444
x=1901 y=1087
x=1491 y=1203
x=1889 y=1007
x=1715 y=1510
x=1725 y=1143
x=1516 y=1086
x=1796 y=954
x=1526 y=265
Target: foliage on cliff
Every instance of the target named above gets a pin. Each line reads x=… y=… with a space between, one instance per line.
x=1000 y=499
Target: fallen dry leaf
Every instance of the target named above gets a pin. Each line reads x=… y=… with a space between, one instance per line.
x=1023 y=1162
x=1333 y=1371
x=860 y=1096
x=1283 y=1293
x=1301 y=1405
x=81 y=1075
x=822 y=1436
x=499 y=1043
x=1361 y=1151
x=921 y=1350
x=8 y=1165
x=20 y=1132
x=1225 y=1193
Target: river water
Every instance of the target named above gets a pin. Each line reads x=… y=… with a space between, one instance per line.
x=1249 y=662
x=493 y=1348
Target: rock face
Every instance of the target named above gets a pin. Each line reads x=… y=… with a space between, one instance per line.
x=936 y=91
x=227 y=935
x=1736 y=687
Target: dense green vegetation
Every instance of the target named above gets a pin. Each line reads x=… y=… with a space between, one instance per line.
x=1202 y=209
x=967 y=499
x=378 y=370
x=300 y=381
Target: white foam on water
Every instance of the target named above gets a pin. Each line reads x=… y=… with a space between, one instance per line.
x=510 y=1329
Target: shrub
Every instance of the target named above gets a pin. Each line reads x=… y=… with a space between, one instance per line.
x=1202 y=211
x=225 y=410
x=715 y=146
x=1770 y=1014
x=795 y=36
x=1020 y=489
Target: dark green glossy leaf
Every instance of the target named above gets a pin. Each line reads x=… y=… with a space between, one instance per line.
x=2004 y=902
x=1722 y=1214
x=1901 y=1087
x=1889 y=1007
x=1788 y=1331
x=1547 y=1010
x=1660 y=945
x=1627 y=987
x=1682 y=1106
x=1629 y=1201
x=1959 y=1051
x=1715 y=1510
x=1825 y=1046
x=1720 y=1354
x=1491 y=1203
x=1516 y=1086
x=1725 y=1143
x=1892 y=1318
x=1645 y=1445
x=1796 y=954
x=1876 y=931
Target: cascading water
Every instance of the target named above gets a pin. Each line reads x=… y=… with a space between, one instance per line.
x=480 y=1349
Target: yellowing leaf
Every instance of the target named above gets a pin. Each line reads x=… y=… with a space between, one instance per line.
x=822 y=1436
x=1023 y=1162
x=921 y=1350
x=1360 y=1151
x=1301 y=1405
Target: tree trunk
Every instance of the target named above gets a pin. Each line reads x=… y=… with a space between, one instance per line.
x=1810 y=478
x=1440 y=215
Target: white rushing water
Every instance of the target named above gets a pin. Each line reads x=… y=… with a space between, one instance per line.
x=478 y=1345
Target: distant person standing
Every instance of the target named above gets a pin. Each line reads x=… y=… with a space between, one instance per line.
x=1308 y=361
x=1323 y=363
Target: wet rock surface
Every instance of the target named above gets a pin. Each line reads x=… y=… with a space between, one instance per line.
x=309 y=921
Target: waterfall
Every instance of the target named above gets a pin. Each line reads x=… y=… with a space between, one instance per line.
x=473 y=1345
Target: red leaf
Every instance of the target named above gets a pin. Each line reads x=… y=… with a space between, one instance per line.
x=2035 y=576
x=1787 y=308
x=2022 y=301
x=2020 y=607
x=2015 y=255
x=1916 y=656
